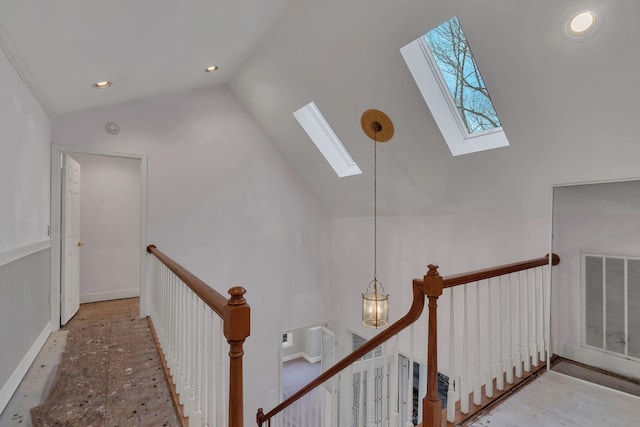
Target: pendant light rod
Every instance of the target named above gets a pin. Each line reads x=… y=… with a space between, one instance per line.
x=375 y=305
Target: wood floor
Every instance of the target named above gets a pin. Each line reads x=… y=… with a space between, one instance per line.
x=555 y=400
x=109 y=373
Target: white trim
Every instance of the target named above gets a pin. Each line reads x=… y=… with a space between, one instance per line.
x=111 y=295
x=305 y=356
x=417 y=57
x=14 y=380
x=22 y=251
x=56 y=192
x=601 y=181
x=326 y=140
x=594 y=384
x=607 y=361
x=22 y=69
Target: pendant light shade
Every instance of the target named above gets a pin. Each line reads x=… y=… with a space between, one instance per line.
x=375 y=306
x=375 y=302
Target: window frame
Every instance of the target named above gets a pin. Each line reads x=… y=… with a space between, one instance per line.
x=435 y=92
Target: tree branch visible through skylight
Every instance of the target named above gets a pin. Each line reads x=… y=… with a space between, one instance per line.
x=452 y=54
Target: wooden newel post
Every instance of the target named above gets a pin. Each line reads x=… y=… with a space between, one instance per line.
x=431 y=405
x=236 y=330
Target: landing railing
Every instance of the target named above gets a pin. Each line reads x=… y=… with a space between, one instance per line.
x=192 y=321
x=498 y=328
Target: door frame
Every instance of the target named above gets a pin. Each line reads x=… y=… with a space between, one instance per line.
x=56 y=195
x=579 y=353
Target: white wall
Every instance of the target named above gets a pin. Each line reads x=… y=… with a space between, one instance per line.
x=24 y=217
x=109 y=227
x=224 y=203
x=406 y=245
x=24 y=163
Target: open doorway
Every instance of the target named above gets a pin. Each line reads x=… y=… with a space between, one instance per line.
x=99 y=166
x=109 y=227
x=596 y=287
x=301 y=358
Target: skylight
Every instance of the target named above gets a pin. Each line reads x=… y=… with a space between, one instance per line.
x=323 y=136
x=450 y=82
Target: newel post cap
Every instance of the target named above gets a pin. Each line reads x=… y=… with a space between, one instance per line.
x=433 y=282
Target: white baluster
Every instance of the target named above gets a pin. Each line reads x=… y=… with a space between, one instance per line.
x=540 y=292
x=200 y=370
x=489 y=370
x=546 y=305
x=182 y=344
x=477 y=380
x=526 y=310
x=533 y=346
x=409 y=420
x=499 y=355
x=385 y=384
x=464 y=390
x=509 y=358
x=212 y=360
x=451 y=393
x=371 y=389
x=517 y=327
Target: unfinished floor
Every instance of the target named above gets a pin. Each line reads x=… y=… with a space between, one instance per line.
x=559 y=400
x=109 y=374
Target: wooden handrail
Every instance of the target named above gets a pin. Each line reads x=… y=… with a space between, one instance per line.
x=236 y=317
x=487 y=273
x=414 y=313
x=210 y=296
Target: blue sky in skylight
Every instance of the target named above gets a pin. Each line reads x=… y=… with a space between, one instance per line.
x=452 y=54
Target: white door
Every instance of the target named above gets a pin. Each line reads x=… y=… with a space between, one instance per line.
x=70 y=259
x=328 y=359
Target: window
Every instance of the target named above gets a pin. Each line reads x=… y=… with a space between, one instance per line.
x=326 y=140
x=287 y=339
x=450 y=82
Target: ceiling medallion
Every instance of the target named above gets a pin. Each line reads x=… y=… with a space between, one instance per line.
x=112 y=128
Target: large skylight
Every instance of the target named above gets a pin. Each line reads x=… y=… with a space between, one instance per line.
x=450 y=82
x=323 y=136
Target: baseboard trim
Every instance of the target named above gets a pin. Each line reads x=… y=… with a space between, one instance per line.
x=111 y=295
x=598 y=359
x=303 y=355
x=14 y=380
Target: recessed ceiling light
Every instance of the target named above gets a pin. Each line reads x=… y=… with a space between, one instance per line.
x=211 y=68
x=102 y=85
x=581 y=23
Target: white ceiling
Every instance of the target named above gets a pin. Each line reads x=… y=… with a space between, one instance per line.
x=145 y=47
x=568 y=107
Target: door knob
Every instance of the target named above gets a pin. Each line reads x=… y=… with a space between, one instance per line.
x=80 y=244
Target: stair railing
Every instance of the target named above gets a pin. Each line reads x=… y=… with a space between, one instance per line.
x=191 y=321
x=414 y=313
x=498 y=326
x=534 y=299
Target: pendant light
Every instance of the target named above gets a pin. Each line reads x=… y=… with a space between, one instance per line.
x=375 y=302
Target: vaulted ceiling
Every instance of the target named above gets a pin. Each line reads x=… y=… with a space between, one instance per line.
x=567 y=106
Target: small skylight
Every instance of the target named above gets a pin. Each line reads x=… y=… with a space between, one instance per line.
x=450 y=82
x=326 y=140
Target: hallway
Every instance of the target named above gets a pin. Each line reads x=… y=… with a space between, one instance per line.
x=109 y=374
